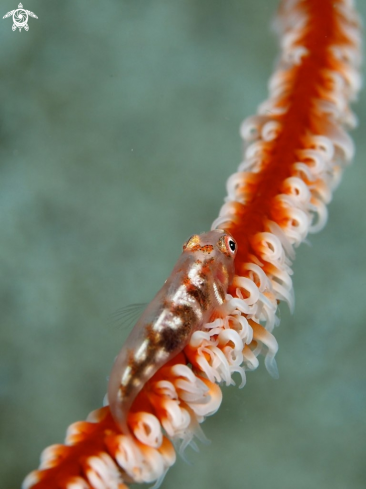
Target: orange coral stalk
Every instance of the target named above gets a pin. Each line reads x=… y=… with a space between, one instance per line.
x=297 y=150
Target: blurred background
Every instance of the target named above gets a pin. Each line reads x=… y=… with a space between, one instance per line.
x=118 y=129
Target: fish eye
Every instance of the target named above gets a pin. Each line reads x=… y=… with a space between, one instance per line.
x=232 y=244
x=227 y=245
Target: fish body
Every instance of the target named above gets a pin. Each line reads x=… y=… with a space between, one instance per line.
x=195 y=288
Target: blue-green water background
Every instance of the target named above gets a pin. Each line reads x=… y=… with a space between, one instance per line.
x=118 y=129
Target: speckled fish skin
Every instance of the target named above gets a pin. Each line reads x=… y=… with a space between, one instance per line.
x=195 y=288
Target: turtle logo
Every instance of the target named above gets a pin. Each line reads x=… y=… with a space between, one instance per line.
x=20 y=17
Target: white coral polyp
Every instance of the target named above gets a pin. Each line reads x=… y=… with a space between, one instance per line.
x=49 y=456
x=154 y=465
x=219 y=356
x=129 y=457
x=141 y=462
x=176 y=419
x=211 y=403
x=31 y=479
x=189 y=387
x=146 y=428
x=102 y=472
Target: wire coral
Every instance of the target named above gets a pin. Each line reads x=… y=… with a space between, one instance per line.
x=296 y=148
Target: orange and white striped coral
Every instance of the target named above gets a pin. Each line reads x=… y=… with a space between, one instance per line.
x=296 y=152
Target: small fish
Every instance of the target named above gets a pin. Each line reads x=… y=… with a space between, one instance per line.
x=195 y=288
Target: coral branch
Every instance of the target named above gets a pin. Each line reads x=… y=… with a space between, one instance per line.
x=296 y=148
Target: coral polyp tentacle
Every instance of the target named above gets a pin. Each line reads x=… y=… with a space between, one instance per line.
x=295 y=150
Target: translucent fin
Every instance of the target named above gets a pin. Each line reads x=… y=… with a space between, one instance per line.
x=126 y=316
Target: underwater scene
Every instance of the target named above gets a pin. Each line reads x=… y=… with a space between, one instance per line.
x=119 y=127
